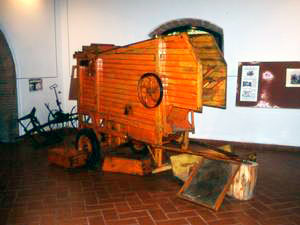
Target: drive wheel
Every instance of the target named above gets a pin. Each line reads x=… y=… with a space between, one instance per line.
x=87 y=142
x=150 y=90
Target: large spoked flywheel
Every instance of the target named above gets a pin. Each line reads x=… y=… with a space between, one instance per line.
x=150 y=90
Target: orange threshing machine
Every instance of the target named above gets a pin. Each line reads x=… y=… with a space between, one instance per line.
x=146 y=93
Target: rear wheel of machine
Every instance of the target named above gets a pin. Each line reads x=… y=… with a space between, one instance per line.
x=87 y=142
x=139 y=147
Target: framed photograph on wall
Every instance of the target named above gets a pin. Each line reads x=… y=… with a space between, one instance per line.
x=249 y=83
x=35 y=84
x=292 y=77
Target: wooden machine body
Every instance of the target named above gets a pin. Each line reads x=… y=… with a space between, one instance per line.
x=192 y=71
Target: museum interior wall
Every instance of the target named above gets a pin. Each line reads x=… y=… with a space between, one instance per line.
x=43 y=35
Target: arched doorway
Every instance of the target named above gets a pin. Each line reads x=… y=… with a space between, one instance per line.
x=8 y=96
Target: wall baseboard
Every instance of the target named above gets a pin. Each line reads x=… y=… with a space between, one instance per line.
x=250 y=146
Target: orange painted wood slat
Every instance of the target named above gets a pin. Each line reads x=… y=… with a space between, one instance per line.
x=137 y=110
x=144 y=68
x=177 y=75
x=170 y=63
x=185 y=84
x=175 y=45
x=207 y=52
x=134 y=50
x=121 y=97
x=148 y=122
x=177 y=51
x=177 y=57
x=188 y=97
x=107 y=81
x=179 y=70
x=109 y=62
x=124 y=56
x=122 y=75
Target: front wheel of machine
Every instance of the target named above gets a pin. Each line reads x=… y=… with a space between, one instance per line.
x=86 y=141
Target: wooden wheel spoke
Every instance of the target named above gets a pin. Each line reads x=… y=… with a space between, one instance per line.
x=152 y=83
x=155 y=90
x=147 y=100
x=154 y=98
x=143 y=86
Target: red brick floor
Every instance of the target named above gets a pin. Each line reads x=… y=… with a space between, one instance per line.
x=34 y=193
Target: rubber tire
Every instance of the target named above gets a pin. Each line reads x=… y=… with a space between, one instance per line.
x=95 y=157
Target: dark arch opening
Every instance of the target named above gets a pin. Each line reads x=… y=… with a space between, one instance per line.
x=186 y=24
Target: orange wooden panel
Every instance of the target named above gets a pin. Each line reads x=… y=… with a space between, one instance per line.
x=188 y=85
x=124 y=56
x=148 y=47
x=178 y=119
x=214 y=70
x=107 y=81
x=136 y=112
x=119 y=115
x=182 y=95
x=66 y=157
x=178 y=57
x=128 y=62
x=170 y=63
x=89 y=101
x=185 y=86
x=145 y=68
x=144 y=135
x=126 y=98
x=177 y=51
x=176 y=45
x=141 y=44
x=127 y=165
x=179 y=61
x=137 y=126
x=192 y=70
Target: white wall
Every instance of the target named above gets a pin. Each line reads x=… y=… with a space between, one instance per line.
x=30 y=29
x=257 y=30
x=30 y=26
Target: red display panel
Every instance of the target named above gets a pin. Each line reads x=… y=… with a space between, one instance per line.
x=268 y=84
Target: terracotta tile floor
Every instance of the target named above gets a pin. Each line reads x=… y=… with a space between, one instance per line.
x=34 y=193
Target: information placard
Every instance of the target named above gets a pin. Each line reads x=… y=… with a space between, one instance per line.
x=268 y=84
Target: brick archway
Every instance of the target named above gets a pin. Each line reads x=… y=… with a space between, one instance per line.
x=182 y=25
x=8 y=96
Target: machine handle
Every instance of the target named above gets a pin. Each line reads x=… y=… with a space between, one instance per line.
x=53 y=86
